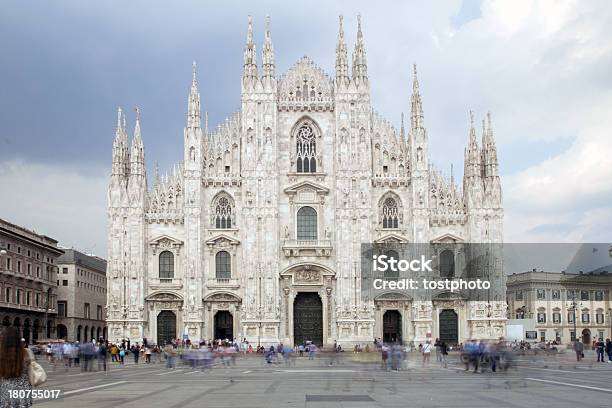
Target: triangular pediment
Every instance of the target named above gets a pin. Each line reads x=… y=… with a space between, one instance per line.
x=165 y=240
x=392 y=237
x=215 y=239
x=304 y=185
x=447 y=238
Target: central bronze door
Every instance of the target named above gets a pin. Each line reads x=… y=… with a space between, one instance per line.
x=308 y=318
x=449 y=326
x=224 y=325
x=166 y=327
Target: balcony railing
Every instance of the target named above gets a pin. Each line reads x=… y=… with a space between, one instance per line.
x=225 y=283
x=166 y=283
x=300 y=247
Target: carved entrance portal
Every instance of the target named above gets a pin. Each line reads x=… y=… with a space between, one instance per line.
x=392 y=327
x=166 y=327
x=224 y=325
x=308 y=318
x=449 y=326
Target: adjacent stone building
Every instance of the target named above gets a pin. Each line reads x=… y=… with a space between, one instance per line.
x=555 y=300
x=28 y=284
x=256 y=233
x=81 y=296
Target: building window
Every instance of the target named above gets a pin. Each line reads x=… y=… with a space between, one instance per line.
x=29 y=298
x=584 y=295
x=64 y=270
x=38 y=271
x=307 y=224
x=518 y=295
x=541 y=317
x=18 y=296
x=599 y=317
x=223 y=212
x=61 y=308
x=29 y=269
x=166 y=265
x=598 y=295
x=223 y=265
x=19 y=266
x=572 y=336
x=541 y=294
x=570 y=294
x=390 y=214
x=542 y=336
x=586 y=317
x=86 y=311
x=37 y=299
x=8 y=264
x=99 y=312
x=8 y=296
x=556 y=317
x=64 y=282
x=570 y=317
x=555 y=294
x=392 y=273
x=306 y=149
x=447 y=264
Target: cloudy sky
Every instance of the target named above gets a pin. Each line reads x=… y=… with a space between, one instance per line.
x=541 y=67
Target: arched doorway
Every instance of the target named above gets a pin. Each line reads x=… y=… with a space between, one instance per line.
x=308 y=318
x=62 y=332
x=17 y=325
x=6 y=321
x=35 y=329
x=104 y=333
x=85 y=334
x=449 y=326
x=224 y=325
x=26 y=331
x=98 y=331
x=392 y=327
x=93 y=333
x=78 y=333
x=586 y=337
x=166 y=327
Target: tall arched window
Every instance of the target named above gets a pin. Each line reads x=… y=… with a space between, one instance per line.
x=222 y=212
x=223 y=265
x=447 y=264
x=392 y=273
x=306 y=149
x=166 y=265
x=307 y=224
x=390 y=214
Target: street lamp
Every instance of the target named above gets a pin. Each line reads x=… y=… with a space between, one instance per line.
x=573 y=305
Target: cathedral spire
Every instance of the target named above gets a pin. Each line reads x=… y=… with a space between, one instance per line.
x=119 y=147
x=402 y=132
x=472 y=153
x=250 y=55
x=341 y=55
x=417 y=104
x=489 y=150
x=268 y=53
x=137 y=149
x=360 y=65
x=193 y=104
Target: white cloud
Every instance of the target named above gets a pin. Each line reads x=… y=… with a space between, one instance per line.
x=56 y=200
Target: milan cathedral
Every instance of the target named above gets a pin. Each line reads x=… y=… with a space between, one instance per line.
x=256 y=233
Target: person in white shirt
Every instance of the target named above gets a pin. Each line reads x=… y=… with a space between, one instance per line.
x=426 y=352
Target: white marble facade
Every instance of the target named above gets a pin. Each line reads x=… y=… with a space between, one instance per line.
x=302 y=139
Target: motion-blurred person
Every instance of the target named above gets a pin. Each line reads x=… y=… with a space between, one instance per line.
x=102 y=352
x=15 y=360
x=579 y=349
x=600 y=347
x=443 y=353
x=426 y=352
x=609 y=350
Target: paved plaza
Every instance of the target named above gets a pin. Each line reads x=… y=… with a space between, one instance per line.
x=350 y=382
